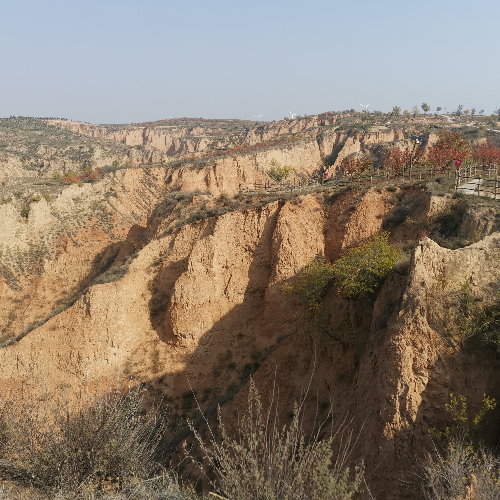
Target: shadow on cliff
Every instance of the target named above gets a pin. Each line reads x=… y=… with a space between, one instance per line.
x=235 y=346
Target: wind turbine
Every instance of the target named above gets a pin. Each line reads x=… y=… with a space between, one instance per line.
x=258 y=116
x=365 y=106
x=293 y=114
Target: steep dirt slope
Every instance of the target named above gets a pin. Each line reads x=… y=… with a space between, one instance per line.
x=388 y=365
x=50 y=256
x=52 y=249
x=200 y=306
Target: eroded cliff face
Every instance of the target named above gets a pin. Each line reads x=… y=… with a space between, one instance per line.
x=175 y=139
x=395 y=387
x=49 y=256
x=201 y=306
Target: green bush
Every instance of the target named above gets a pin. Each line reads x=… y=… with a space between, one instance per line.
x=362 y=269
x=311 y=285
x=358 y=272
x=279 y=173
x=25 y=210
x=265 y=461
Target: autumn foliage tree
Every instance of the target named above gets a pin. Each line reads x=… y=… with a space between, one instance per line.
x=449 y=148
x=355 y=165
x=396 y=161
x=486 y=153
x=88 y=175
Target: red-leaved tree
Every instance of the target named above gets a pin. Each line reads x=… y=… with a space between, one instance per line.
x=397 y=160
x=486 y=153
x=355 y=165
x=449 y=148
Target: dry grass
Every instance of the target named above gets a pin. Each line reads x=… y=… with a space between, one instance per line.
x=79 y=445
x=461 y=473
x=265 y=461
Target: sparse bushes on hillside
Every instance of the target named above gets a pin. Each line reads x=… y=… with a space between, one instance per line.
x=462 y=473
x=470 y=320
x=460 y=466
x=69 y=445
x=265 y=461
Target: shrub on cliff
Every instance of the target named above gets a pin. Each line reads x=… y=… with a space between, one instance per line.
x=362 y=268
x=311 y=285
x=356 y=273
x=462 y=473
x=267 y=462
x=278 y=172
x=463 y=468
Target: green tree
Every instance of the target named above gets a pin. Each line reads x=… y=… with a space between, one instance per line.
x=415 y=111
x=438 y=109
x=362 y=268
x=279 y=173
x=311 y=285
x=396 y=111
x=425 y=107
x=406 y=114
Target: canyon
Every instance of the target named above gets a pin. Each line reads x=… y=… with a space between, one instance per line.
x=168 y=272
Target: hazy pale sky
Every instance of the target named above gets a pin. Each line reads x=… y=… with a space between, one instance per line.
x=117 y=61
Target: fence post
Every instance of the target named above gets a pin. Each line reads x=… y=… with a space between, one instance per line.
x=420 y=175
x=496 y=185
x=478 y=185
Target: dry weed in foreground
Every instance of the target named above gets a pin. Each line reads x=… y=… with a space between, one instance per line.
x=71 y=446
x=265 y=462
x=164 y=487
x=461 y=473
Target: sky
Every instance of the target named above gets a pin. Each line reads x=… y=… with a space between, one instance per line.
x=129 y=61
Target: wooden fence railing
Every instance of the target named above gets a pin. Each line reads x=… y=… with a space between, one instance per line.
x=367 y=179
x=489 y=184
x=481 y=180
